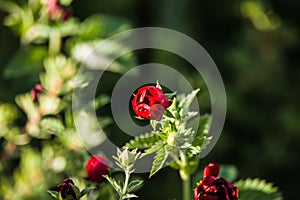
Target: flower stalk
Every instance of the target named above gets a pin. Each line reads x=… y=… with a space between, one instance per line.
x=186 y=187
x=54 y=42
x=185 y=177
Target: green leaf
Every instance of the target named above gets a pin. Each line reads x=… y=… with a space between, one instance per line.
x=25 y=102
x=26 y=61
x=134 y=185
x=114 y=184
x=154 y=148
x=229 y=172
x=128 y=196
x=143 y=142
x=87 y=190
x=102 y=26
x=185 y=102
x=51 y=126
x=100 y=101
x=204 y=125
x=54 y=194
x=159 y=160
x=170 y=95
x=253 y=189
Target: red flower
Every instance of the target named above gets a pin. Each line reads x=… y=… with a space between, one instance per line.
x=213 y=187
x=96 y=167
x=35 y=92
x=149 y=102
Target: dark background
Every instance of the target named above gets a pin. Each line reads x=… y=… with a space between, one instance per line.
x=260 y=69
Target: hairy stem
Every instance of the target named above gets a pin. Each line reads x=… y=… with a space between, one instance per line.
x=127 y=175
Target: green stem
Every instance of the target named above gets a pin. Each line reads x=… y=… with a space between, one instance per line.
x=185 y=177
x=127 y=175
x=186 y=188
x=69 y=118
x=54 y=42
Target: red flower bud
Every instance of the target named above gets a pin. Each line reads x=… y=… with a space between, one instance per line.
x=213 y=187
x=149 y=102
x=57 y=11
x=96 y=167
x=212 y=169
x=35 y=92
x=68 y=190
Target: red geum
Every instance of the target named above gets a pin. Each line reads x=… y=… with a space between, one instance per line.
x=213 y=187
x=35 y=92
x=96 y=167
x=150 y=102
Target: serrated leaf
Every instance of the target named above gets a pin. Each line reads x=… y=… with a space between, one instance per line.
x=185 y=102
x=114 y=184
x=135 y=185
x=26 y=61
x=253 y=189
x=204 y=125
x=154 y=148
x=143 y=142
x=189 y=115
x=53 y=194
x=87 y=190
x=159 y=160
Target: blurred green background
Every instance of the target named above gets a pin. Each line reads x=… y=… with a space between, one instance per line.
x=255 y=45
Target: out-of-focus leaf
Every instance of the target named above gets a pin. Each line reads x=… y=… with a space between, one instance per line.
x=102 y=26
x=87 y=190
x=51 y=126
x=102 y=57
x=228 y=172
x=53 y=194
x=49 y=104
x=26 y=103
x=26 y=61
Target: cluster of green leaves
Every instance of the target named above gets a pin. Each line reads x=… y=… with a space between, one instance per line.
x=126 y=159
x=173 y=136
x=39 y=145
